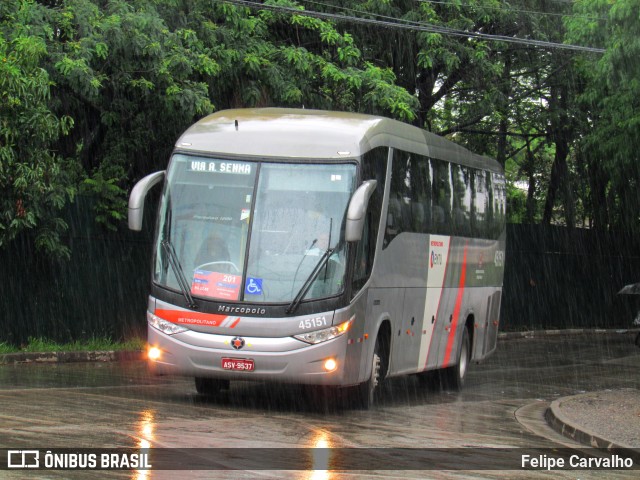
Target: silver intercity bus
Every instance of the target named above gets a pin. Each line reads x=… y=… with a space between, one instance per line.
x=322 y=248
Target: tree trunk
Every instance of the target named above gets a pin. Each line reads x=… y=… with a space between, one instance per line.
x=505 y=89
x=598 y=182
x=560 y=133
x=531 y=191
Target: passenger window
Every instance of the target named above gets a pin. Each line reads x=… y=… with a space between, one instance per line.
x=441 y=197
x=373 y=167
x=409 y=196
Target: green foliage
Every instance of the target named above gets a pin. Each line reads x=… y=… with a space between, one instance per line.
x=36 y=180
x=611 y=97
x=131 y=83
x=6 y=348
x=516 y=204
x=111 y=206
x=113 y=84
x=94 y=344
x=94 y=93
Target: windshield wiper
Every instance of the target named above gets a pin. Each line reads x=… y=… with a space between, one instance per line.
x=167 y=246
x=309 y=281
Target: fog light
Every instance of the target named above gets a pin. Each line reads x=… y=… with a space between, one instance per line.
x=330 y=365
x=154 y=353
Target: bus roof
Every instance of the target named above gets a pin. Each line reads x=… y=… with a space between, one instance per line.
x=300 y=133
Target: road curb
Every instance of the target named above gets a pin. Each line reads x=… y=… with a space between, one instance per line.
x=69 y=357
x=561 y=424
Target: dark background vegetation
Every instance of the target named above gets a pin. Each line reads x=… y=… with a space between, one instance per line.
x=93 y=94
x=555 y=278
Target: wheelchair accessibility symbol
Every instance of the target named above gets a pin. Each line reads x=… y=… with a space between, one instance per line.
x=253 y=286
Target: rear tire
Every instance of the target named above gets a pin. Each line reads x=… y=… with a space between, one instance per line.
x=453 y=377
x=210 y=386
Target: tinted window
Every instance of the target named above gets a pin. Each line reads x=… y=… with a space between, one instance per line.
x=373 y=167
x=433 y=196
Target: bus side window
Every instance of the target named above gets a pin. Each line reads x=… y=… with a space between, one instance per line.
x=395 y=223
x=441 y=191
x=364 y=258
x=397 y=194
x=374 y=167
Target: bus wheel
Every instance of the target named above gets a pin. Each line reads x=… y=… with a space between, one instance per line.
x=210 y=386
x=365 y=392
x=453 y=377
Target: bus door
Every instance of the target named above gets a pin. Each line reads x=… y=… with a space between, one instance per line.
x=491 y=329
x=452 y=306
x=411 y=331
x=433 y=315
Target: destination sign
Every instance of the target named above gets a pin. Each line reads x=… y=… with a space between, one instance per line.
x=207 y=166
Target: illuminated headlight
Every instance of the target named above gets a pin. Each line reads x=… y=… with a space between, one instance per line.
x=330 y=333
x=164 y=326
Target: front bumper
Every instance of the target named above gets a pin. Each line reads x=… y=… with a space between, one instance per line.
x=285 y=359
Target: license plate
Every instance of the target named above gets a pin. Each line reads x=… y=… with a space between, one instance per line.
x=241 y=364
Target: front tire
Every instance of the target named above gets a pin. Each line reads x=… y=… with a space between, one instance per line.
x=453 y=377
x=210 y=386
x=366 y=392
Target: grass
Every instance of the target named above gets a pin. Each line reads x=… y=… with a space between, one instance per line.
x=93 y=344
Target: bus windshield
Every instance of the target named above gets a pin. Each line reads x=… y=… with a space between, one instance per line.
x=254 y=232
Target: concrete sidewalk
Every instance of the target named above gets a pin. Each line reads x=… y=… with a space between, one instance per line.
x=607 y=419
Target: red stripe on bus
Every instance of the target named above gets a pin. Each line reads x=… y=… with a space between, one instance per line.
x=456 y=310
x=235 y=323
x=191 y=318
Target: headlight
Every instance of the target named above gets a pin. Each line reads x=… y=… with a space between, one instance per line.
x=330 y=333
x=164 y=326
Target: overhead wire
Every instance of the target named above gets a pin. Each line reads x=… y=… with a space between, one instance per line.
x=510 y=9
x=448 y=30
x=392 y=22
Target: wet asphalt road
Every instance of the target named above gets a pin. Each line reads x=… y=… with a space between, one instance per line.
x=108 y=405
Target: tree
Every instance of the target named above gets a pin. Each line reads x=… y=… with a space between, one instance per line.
x=102 y=88
x=611 y=101
x=135 y=74
x=95 y=92
x=36 y=181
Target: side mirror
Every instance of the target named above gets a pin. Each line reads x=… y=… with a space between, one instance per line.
x=136 y=199
x=357 y=210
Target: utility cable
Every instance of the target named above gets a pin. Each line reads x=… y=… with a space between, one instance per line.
x=509 y=9
x=414 y=26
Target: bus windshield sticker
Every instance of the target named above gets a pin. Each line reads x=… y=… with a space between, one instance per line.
x=206 y=166
x=216 y=285
x=253 y=286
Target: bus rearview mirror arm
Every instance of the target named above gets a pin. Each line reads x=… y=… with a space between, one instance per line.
x=358 y=209
x=136 y=199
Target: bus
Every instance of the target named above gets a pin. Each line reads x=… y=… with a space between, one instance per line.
x=322 y=248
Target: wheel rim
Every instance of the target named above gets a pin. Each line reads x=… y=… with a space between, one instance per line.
x=374 y=380
x=464 y=360
x=375 y=372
